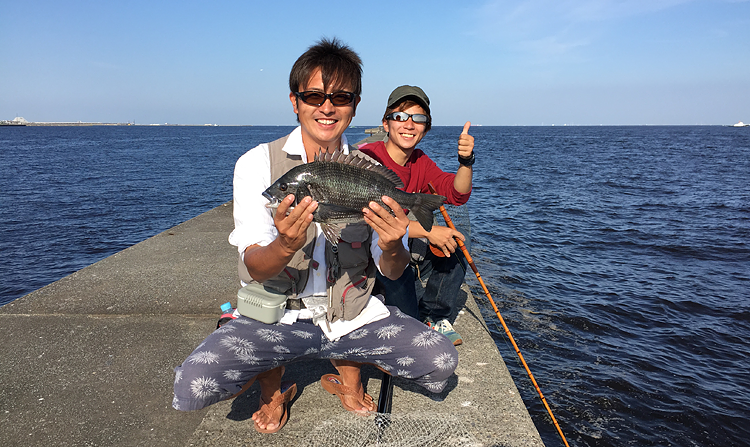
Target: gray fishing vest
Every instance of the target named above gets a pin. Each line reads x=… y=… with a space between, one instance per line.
x=351 y=271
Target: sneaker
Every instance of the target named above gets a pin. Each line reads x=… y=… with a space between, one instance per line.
x=445 y=328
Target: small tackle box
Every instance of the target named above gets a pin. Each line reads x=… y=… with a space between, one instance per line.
x=256 y=302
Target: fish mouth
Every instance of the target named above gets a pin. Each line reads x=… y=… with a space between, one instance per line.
x=273 y=202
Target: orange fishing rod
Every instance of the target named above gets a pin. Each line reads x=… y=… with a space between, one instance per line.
x=449 y=222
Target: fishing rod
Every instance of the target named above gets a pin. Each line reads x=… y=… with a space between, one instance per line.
x=449 y=222
x=385 y=400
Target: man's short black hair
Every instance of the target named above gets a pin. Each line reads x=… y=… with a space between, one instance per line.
x=340 y=66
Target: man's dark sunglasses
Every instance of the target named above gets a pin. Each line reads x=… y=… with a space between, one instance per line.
x=418 y=118
x=318 y=98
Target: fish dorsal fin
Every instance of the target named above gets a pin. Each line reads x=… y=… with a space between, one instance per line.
x=359 y=160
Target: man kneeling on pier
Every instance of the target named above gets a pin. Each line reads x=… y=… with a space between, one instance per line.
x=283 y=250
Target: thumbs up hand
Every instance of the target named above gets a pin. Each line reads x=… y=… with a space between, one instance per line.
x=465 y=142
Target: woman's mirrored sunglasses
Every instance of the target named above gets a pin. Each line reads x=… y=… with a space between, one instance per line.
x=418 y=118
x=318 y=98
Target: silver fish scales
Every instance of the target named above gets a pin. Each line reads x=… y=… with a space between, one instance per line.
x=344 y=184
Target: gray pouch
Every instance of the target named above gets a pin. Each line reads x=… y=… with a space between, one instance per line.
x=260 y=303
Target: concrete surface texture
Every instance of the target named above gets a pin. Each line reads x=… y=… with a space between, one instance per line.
x=88 y=360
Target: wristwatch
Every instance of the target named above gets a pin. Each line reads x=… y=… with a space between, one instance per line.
x=466 y=161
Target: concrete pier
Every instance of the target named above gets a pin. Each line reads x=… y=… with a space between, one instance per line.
x=88 y=360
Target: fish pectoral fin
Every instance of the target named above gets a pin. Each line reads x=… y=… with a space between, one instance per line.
x=332 y=232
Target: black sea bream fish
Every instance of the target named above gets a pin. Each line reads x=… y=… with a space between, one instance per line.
x=345 y=184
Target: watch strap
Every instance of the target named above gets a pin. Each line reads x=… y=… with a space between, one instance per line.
x=468 y=161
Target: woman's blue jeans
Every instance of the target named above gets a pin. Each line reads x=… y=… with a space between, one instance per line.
x=427 y=290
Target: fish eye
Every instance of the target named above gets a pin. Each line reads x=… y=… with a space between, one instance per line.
x=283 y=187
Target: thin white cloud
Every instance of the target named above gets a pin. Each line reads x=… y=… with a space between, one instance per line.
x=600 y=10
x=552 y=45
x=555 y=27
x=538 y=12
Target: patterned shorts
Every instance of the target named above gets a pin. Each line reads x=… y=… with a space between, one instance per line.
x=243 y=348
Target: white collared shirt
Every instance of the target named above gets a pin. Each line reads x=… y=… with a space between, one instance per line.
x=253 y=223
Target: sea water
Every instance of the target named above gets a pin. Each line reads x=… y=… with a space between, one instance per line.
x=618 y=256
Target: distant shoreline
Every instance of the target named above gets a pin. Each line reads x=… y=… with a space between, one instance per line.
x=60 y=124
x=4 y=123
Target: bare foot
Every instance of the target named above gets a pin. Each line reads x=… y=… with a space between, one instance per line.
x=266 y=418
x=355 y=399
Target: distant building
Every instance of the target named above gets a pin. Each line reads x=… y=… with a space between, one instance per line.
x=17 y=121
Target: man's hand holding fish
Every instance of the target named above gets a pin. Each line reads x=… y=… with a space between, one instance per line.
x=292 y=221
x=391 y=228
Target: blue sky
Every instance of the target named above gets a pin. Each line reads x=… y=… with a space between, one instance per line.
x=520 y=62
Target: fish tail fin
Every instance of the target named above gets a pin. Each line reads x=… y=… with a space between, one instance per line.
x=425 y=205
